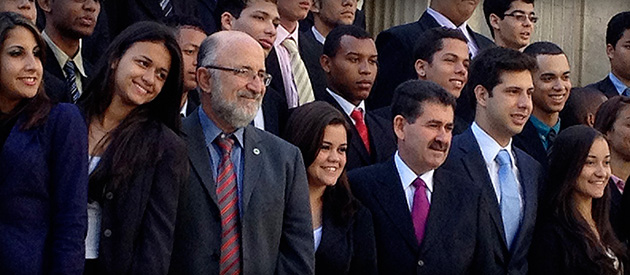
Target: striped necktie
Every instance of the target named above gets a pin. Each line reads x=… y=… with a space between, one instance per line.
x=227 y=194
x=167 y=7
x=300 y=74
x=71 y=80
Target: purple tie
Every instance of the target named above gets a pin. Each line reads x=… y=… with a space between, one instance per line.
x=420 y=208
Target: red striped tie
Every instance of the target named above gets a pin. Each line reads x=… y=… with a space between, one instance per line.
x=228 y=203
x=357 y=115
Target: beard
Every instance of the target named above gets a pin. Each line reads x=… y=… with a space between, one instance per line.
x=237 y=114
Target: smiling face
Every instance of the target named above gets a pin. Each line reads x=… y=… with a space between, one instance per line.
x=71 y=18
x=141 y=72
x=552 y=84
x=294 y=10
x=331 y=157
x=511 y=32
x=449 y=67
x=595 y=173
x=352 y=71
x=189 y=40
x=259 y=19
x=23 y=7
x=21 y=68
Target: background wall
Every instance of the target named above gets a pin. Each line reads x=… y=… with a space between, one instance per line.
x=578 y=26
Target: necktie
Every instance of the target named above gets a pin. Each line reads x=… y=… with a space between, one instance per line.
x=357 y=115
x=626 y=92
x=300 y=75
x=230 y=262
x=420 y=208
x=71 y=80
x=166 y=6
x=551 y=137
x=510 y=204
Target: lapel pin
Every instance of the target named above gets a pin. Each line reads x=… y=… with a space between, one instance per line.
x=256 y=151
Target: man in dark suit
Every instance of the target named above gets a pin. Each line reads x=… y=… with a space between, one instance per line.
x=350 y=64
x=246 y=206
x=395 y=45
x=484 y=156
x=67 y=23
x=552 y=86
x=425 y=221
x=245 y=17
x=617 y=40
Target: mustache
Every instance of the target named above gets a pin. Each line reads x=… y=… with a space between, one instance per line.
x=439 y=145
x=249 y=94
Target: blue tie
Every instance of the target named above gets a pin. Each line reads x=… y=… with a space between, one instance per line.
x=626 y=92
x=511 y=211
x=71 y=80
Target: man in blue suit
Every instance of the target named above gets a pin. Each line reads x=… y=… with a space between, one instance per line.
x=425 y=221
x=483 y=155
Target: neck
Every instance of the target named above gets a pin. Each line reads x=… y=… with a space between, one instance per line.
x=549 y=119
x=620 y=166
x=288 y=24
x=115 y=113
x=7 y=106
x=222 y=124
x=321 y=26
x=184 y=98
x=69 y=46
x=315 y=193
x=404 y=156
x=501 y=138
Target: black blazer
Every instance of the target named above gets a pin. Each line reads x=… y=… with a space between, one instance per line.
x=396 y=59
x=346 y=248
x=529 y=141
x=615 y=209
x=465 y=160
x=55 y=81
x=275 y=111
x=205 y=12
x=381 y=135
x=138 y=214
x=123 y=13
x=624 y=211
x=455 y=239
x=605 y=86
x=313 y=50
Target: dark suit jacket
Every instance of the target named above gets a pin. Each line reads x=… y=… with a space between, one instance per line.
x=465 y=160
x=454 y=242
x=123 y=13
x=43 y=195
x=605 y=86
x=396 y=59
x=312 y=51
x=55 y=81
x=139 y=213
x=205 y=12
x=529 y=141
x=381 y=135
x=624 y=211
x=275 y=111
x=615 y=209
x=347 y=248
x=276 y=228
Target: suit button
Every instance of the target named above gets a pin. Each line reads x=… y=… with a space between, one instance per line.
x=420 y=263
x=109 y=195
x=107 y=233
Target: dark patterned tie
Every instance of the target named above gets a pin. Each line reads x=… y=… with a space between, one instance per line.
x=227 y=194
x=167 y=7
x=71 y=80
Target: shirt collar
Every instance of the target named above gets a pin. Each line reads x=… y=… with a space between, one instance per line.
x=284 y=34
x=445 y=22
x=318 y=36
x=542 y=128
x=489 y=147
x=211 y=131
x=62 y=57
x=346 y=105
x=617 y=83
x=407 y=176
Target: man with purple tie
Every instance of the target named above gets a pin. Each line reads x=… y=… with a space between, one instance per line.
x=425 y=222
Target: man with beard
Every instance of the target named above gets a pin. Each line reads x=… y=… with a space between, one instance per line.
x=67 y=23
x=425 y=220
x=350 y=64
x=246 y=207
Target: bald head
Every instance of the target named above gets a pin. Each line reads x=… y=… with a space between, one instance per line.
x=226 y=43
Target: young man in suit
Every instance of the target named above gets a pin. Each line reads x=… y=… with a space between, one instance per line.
x=350 y=64
x=425 y=221
x=259 y=19
x=395 y=45
x=552 y=86
x=618 y=50
x=67 y=23
x=484 y=156
x=511 y=22
x=246 y=208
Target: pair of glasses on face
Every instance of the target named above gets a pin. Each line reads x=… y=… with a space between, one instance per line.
x=245 y=73
x=521 y=16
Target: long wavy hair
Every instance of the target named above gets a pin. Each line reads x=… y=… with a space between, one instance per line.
x=38 y=107
x=567 y=159
x=134 y=143
x=305 y=129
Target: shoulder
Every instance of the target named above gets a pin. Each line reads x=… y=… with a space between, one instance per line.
x=525 y=159
x=66 y=117
x=270 y=141
x=169 y=140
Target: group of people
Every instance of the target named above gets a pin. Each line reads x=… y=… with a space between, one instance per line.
x=278 y=137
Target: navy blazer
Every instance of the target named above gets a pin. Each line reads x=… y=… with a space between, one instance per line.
x=123 y=13
x=456 y=231
x=465 y=160
x=312 y=51
x=276 y=226
x=396 y=58
x=605 y=86
x=381 y=136
x=529 y=141
x=43 y=195
x=275 y=111
x=55 y=81
x=615 y=209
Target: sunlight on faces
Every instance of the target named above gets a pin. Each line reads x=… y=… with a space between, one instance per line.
x=552 y=83
x=509 y=31
x=449 y=67
x=21 y=68
x=259 y=19
x=141 y=72
x=424 y=144
x=331 y=157
x=189 y=40
x=24 y=7
x=591 y=182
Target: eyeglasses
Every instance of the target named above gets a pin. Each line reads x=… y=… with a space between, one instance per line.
x=244 y=73
x=521 y=16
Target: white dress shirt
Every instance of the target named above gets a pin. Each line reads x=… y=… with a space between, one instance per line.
x=407 y=176
x=347 y=106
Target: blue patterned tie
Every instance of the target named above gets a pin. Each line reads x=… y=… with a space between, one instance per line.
x=71 y=80
x=511 y=211
x=626 y=92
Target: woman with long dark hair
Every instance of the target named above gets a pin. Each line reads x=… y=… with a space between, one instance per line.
x=138 y=163
x=573 y=234
x=343 y=230
x=43 y=163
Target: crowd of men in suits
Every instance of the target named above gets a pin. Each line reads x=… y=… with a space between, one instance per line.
x=406 y=95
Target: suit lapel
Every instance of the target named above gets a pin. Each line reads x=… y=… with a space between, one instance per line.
x=332 y=234
x=442 y=201
x=529 y=186
x=252 y=168
x=273 y=67
x=199 y=155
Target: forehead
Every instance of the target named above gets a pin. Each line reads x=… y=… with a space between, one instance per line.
x=156 y=51
x=262 y=6
x=436 y=111
x=552 y=63
x=242 y=53
x=19 y=35
x=351 y=44
x=455 y=46
x=520 y=79
x=190 y=35
x=522 y=6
